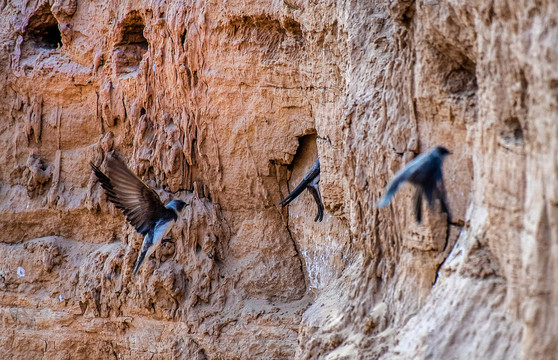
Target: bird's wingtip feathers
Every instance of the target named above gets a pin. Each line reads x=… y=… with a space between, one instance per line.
x=137 y=269
x=382 y=203
x=94 y=167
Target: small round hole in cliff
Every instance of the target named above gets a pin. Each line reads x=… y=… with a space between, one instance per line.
x=293 y=27
x=131 y=45
x=511 y=133
x=42 y=30
x=461 y=81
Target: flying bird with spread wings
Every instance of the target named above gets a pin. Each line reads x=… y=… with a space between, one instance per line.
x=309 y=182
x=140 y=204
x=424 y=171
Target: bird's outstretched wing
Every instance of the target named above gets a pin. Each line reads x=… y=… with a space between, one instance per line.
x=139 y=203
x=310 y=175
x=400 y=177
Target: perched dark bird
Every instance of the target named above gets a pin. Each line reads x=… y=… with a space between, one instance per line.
x=310 y=182
x=140 y=204
x=424 y=171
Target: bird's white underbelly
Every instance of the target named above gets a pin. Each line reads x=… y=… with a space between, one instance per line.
x=159 y=234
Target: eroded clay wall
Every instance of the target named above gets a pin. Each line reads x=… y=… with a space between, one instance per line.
x=226 y=105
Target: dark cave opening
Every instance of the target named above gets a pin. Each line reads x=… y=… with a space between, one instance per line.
x=43 y=31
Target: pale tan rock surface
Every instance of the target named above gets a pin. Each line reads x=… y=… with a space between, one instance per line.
x=226 y=104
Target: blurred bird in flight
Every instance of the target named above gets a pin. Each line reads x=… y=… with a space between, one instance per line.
x=425 y=172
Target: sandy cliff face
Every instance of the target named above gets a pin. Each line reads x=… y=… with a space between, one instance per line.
x=226 y=105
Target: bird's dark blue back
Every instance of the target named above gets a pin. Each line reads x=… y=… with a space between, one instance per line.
x=430 y=171
x=427 y=176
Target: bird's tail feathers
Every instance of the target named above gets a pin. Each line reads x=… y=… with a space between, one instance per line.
x=144 y=252
x=140 y=261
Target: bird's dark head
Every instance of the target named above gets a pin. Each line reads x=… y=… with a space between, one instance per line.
x=177 y=205
x=442 y=151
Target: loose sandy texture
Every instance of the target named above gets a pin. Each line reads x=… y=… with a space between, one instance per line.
x=226 y=104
